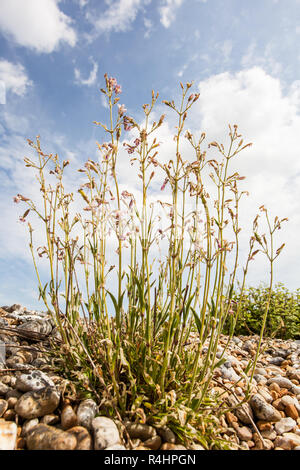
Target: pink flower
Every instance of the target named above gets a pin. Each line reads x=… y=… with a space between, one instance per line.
x=17 y=199
x=112 y=82
x=164 y=184
x=137 y=142
x=122 y=109
x=118 y=89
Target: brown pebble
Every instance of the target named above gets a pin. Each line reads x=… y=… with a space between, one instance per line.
x=169 y=446
x=11 y=402
x=21 y=443
x=291 y=411
x=84 y=440
x=278 y=405
x=68 y=418
x=43 y=437
x=274 y=395
x=154 y=443
x=275 y=387
x=3 y=407
x=9 y=415
x=50 y=419
x=263 y=426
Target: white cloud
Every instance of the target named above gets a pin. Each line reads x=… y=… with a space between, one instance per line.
x=226 y=49
x=167 y=11
x=270 y=119
x=14 y=77
x=118 y=17
x=148 y=26
x=38 y=25
x=91 y=78
x=254 y=56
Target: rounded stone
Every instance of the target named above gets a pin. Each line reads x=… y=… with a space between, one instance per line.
x=283 y=382
x=285 y=425
x=140 y=431
x=264 y=410
x=33 y=381
x=171 y=446
x=153 y=443
x=36 y=404
x=44 y=437
x=86 y=412
x=83 y=437
x=244 y=433
x=116 y=447
x=3 y=407
x=8 y=435
x=68 y=417
x=106 y=433
x=28 y=425
x=166 y=434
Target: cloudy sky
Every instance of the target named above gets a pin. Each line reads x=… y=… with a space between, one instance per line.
x=244 y=59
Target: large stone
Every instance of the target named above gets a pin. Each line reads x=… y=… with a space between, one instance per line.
x=36 y=404
x=86 y=412
x=242 y=412
x=106 y=433
x=36 y=326
x=140 y=431
x=288 y=441
x=244 y=433
x=264 y=410
x=33 y=381
x=4 y=389
x=28 y=425
x=166 y=434
x=84 y=440
x=283 y=382
x=44 y=437
x=285 y=425
x=68 y=417
x=8 y=435
x=3 y=407
x=154 y=443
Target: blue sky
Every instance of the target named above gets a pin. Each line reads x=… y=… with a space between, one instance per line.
x=243 y=56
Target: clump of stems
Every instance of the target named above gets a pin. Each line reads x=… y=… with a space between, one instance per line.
x=126 y=327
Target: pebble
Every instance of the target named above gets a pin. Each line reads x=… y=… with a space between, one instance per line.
x=281 y=381
x=68 y=418
x=170 y=446
x=86 y=412
x=166 y=434
x=264 y=410
x=83 y=437
x=285 y=425
x=140 y=431
x=4 y=389
x=244 y=433
x=3 y=407
x=44 y=437
x=36 y=404
x=153 y=443
x=116 y=447
x=33 y=381
x=28 y=425
x=8 y=435
x=105 y=432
